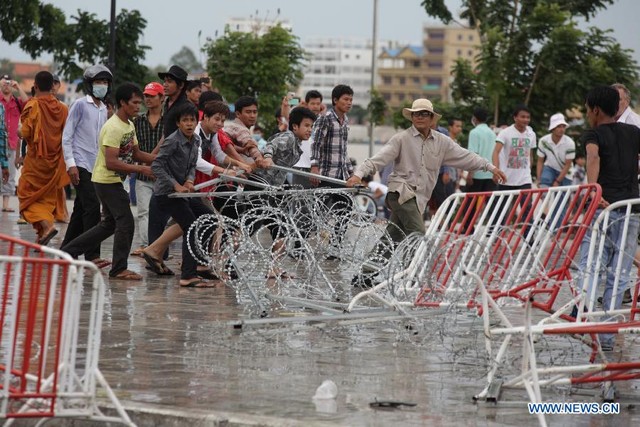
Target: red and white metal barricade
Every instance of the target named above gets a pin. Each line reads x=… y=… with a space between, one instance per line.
x=516 y=241
x=590 y=321
x=49 y=340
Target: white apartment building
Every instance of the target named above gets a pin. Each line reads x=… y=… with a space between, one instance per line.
x=336 y=61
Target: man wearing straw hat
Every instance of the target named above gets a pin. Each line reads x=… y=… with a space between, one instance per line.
x=417 y=154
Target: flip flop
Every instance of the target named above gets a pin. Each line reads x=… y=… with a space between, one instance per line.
x=282 y=275
x=137 y=252
x=156 y=265
x=200 y=283
x=101 y=262
x=207 y=274
x=8 y=210
x=126 y=275
x=47 y=237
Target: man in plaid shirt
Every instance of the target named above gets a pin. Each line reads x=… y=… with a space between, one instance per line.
x=329 y=155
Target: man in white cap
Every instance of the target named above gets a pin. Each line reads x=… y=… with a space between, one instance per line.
x=556 y=152
x=417 y=154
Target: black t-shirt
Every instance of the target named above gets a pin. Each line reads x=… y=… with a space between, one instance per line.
x=618 y=147
x=171 y=115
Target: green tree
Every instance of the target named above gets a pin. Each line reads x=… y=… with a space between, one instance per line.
x=533 y=52
x=187 y=60
x=43 y=28
x=377 y=108
x=266 y=67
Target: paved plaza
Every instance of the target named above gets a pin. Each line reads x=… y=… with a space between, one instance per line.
x=178 y=357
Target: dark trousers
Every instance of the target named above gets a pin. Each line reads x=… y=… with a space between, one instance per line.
x=341 y=205
x=85 y=215
x=157 y=222
x=117 y=221
x=479 y=186
x=526 y=208
x=185 y=212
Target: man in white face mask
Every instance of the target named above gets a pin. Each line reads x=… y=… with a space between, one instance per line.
x=80 y=146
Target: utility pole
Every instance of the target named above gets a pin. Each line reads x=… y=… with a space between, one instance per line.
x=374 y=52
x=112 y=30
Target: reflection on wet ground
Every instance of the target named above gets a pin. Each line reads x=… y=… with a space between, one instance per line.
x=176 y=348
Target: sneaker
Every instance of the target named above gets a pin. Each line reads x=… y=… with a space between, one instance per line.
x=606 y=346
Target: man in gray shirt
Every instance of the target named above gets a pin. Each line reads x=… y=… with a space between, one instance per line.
x=417 y=154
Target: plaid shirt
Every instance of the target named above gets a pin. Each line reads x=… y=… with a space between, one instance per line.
x=4 y=162
x=284 y=149
x=148 y=136
x=329 y=146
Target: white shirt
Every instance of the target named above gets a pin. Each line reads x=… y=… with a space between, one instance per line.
x=375 y=186
x=630 y=117
x=556 y=154
x=202 y=165
x=515 y=156
x=305 y=158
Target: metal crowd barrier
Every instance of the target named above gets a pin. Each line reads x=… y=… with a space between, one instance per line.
x=49 y=341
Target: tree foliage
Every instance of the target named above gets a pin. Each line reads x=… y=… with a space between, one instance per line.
x=533 y=52
x=377 y=108
x=187 y=60
x=40 y=28
x=266 y=67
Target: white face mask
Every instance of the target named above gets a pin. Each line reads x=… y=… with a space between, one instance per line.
x=100 y=91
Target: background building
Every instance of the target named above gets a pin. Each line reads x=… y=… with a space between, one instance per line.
x=336 y=60
x=411 y=72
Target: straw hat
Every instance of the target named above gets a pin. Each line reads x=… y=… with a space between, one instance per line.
x=421 y=104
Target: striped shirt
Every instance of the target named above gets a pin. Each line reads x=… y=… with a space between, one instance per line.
x=329 y=146
x=148 y=136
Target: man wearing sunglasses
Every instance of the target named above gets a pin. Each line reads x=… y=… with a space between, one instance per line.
x=417 y=154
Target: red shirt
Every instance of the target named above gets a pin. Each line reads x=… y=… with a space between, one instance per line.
x=12 y=109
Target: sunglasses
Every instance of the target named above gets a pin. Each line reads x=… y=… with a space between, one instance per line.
x=422 y=114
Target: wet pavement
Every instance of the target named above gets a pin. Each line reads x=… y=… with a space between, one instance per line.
x=170 y=349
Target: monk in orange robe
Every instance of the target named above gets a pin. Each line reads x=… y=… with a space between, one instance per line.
x=44 y=172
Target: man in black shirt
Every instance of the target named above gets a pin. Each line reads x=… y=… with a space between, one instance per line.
x=175 y=87
x=612 y=161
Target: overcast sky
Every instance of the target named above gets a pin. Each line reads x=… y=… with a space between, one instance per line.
x=172 y=25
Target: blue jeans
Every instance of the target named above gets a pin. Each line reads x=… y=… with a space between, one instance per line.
x=611 y=253
x=549 y=175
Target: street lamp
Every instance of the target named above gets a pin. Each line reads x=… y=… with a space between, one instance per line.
x=374 y=49
x=112 y=31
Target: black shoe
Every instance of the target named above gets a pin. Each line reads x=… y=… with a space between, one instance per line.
x=626 y=298
x=231 y=270
x=364 y=281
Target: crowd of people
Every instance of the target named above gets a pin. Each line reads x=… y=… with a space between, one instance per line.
x=184 y=138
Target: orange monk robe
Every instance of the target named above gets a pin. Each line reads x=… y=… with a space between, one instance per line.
x=44 y=173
